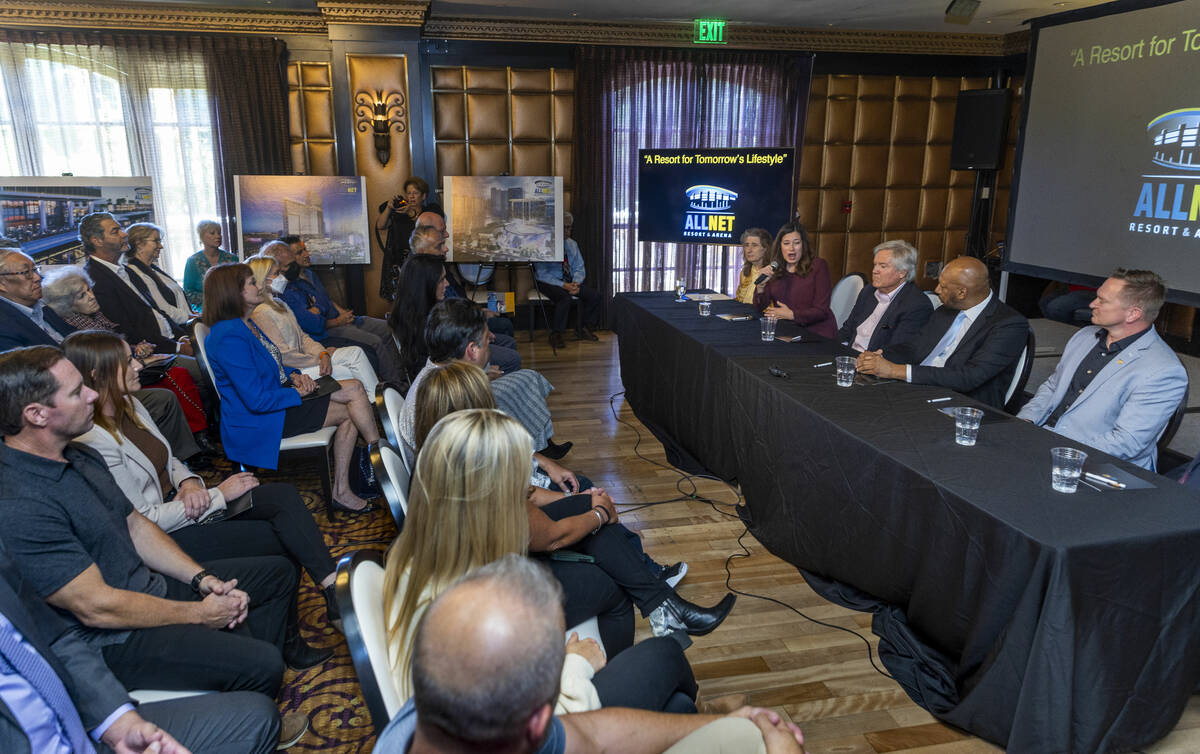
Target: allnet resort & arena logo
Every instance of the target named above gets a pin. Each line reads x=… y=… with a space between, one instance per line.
x=1169 y=196
x=709 y=215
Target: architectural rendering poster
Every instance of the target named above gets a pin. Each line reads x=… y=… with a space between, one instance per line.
x=504 y=218
x=43 y=213
x=328 y=212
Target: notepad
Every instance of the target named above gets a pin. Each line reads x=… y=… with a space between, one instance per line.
x=708 y=297
x=735 y=317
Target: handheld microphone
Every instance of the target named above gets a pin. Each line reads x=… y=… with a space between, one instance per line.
x=763 y=277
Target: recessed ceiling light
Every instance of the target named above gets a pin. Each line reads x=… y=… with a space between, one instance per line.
x=1061 y=5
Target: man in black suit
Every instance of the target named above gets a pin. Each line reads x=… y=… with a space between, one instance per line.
x=82 y=698
x=970 y=344
x=891 y=309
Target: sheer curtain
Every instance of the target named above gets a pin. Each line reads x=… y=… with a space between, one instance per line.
x=631 y=99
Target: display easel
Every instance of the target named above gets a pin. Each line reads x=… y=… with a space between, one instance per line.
x=510 y=266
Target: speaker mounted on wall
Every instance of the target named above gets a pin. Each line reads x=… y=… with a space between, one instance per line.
x=980 y=129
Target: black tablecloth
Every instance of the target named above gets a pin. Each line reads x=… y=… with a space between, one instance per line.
x=1038 y=620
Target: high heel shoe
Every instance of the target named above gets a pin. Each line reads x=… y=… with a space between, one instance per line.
x=677 y=614
x=336 y=507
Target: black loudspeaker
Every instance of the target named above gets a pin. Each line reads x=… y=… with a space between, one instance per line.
x=980 y=128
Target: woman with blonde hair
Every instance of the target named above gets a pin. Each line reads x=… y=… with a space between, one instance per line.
x=296 y=349
x=467 y=507
x=756 y=245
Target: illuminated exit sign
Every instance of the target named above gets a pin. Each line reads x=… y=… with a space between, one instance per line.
x=708 y=31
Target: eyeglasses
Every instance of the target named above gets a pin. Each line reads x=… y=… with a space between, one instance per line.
x=30 y=274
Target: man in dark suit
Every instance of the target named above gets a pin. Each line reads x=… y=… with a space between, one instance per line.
x=75 y=696
x=891 y=309
x=970 y=344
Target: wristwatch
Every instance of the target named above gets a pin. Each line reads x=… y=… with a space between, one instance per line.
x=198 y=578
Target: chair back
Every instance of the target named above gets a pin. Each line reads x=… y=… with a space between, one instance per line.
x=1021 y=373
x=393 y=478
x=359 y=590
x=1173 y=425
x=933 y=299
x=388 y=403
x=844 y=294
x=201 y=332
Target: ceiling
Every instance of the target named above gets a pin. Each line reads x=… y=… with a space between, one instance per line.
x=993 y=16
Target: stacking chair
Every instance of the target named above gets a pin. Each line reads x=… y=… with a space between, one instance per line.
x=844 y=295
x=1021 y=376
x=393 y=477
x=359 y=592
x=310 y=444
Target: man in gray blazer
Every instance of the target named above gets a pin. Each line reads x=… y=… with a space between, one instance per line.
x=1117 y=383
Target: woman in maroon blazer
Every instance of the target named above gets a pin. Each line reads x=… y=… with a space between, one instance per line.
x=799 y=289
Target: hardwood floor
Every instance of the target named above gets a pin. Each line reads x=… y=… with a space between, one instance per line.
x=818 y=677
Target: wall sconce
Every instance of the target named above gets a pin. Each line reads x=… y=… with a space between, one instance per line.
x=378 y=113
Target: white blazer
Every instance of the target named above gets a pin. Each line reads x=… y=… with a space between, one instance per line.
x=138 y=479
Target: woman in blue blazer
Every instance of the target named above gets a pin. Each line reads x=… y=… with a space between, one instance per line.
x=262 y=401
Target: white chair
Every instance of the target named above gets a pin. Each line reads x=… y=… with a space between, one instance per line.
x=393 y=477
x=1021 y=374
x=359 y=591
x=933 y=299
x=308 y=444
x=388 y=403
x=844 y=294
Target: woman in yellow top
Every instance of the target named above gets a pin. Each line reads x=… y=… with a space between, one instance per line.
x=755 y=244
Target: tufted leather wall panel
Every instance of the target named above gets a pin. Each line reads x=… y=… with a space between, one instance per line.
x=488 y=121
x=310 y=106
x=882 y=145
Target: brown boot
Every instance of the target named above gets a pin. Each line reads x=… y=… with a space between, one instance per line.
x=292 y=727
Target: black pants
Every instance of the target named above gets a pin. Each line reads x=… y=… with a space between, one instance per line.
x=277 y=524
x=618 y=552
x=589 y=592
x=163 y=407
x=200 y=658
x=589 y=305
x=653 y=675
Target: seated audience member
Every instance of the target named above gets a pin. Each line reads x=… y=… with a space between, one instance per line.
x=277 y=523
x=261 y=402
x=1117 y=383
x=892 y=309
x=560 y=281
x=799 y=289
x=58 y=692
x=486 y=661
x=467 y=509
x=397 y=218
x=210 y=255
x=155 y=285
x=125 y=586
x=456 y=331
x=67 y=290
x=756 y=242
x=970 y=344
x=1061 y=302
x=457 y=287
x=296 y=349
x=26 y=320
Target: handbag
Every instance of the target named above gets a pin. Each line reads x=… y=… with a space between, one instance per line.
x=362 y=475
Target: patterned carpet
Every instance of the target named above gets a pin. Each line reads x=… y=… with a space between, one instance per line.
x=329 y=694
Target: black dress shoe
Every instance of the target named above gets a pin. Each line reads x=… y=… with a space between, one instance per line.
x=587 y=334
x=556 y=340
x=332 y=613
x=555 y=451
x=300 y=656
x=677 y=614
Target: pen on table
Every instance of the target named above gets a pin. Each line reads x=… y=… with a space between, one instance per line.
x=1104 y=480
x=938 y=400
x=822 y=364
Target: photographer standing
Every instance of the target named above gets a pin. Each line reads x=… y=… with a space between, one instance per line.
x=398 y=218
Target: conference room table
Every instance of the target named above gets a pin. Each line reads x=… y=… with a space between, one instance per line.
x=1041 y=621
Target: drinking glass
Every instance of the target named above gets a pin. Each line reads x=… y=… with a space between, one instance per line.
x=966 y=425
x=1066 y=466
x=768 y=328
x=845 y=371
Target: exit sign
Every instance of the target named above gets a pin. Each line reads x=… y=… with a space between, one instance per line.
x=708 y=31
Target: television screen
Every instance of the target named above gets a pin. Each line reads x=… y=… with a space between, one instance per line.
x=712 y=195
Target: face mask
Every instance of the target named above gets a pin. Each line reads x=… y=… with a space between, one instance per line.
x=292 y=271
x=277 y=285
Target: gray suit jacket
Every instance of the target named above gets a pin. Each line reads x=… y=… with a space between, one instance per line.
x=1128 y=404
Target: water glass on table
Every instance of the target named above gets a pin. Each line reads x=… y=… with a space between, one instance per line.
x=768 y=327
x=845 y=370
x=705 y=308
x=1066 y=466
x=966 y=425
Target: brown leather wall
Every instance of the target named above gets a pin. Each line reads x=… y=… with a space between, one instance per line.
x=310 y=105
x=488 y=121
x=882 y=144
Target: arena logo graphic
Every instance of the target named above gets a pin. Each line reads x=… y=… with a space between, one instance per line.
x=1168 y=198
x=709 y=216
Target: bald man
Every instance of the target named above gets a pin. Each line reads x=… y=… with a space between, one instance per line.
x=486 y=662
x=970 y=344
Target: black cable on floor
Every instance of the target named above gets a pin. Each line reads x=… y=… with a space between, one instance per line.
x=745 y=553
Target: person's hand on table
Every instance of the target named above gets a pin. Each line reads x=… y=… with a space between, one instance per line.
x=133 y=734
x=325 y=364
x=779 y=311
x=588 y=649
x=303 y=384
x=238 y=484
x=195 y=498
x=872 y=362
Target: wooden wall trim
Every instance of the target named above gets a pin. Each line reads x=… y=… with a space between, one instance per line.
x=76 y=15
